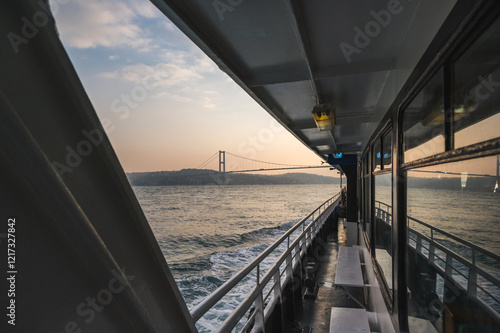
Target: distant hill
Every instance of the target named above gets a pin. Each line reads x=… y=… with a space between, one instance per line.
x=210 y=177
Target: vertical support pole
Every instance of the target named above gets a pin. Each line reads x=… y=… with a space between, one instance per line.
x=432 y=253
x=259 y=306
x=296 y=260
x=400 y=223
x=259 y=313
x=448 y=266
x=289 y=265
x=472 y=278
x=277 y=285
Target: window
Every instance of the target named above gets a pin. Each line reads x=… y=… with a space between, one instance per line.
x=424 y=121
x=477 y=90
x=383 y=225
x=382 y=210
x=453 y=216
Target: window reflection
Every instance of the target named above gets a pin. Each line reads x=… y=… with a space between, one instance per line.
x=424 y=121
x=453 y=263
x=477 y=90
x=383 y=225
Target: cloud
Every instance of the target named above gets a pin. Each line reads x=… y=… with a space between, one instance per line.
x=180 y=67
x=204 y=64
x=177 y=57
x=111 y=23
x=161 y=75
x=113 y=57
x=173 y=97
x=169 y=26
x=207 y=103
x=144 y=8
x=108 y=75
x=170 y=81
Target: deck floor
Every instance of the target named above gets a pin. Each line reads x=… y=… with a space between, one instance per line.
x=316 y=311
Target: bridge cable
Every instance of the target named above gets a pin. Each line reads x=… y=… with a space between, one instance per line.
x=207 y=161
x=280 y=164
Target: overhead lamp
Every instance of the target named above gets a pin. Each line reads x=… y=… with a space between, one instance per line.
x=324 y=116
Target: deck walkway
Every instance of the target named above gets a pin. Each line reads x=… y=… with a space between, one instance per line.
x=316 y=312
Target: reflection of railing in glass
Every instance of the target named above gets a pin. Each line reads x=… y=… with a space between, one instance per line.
x=383 y=211
x=383 y=243
x=471 y=267
x=474 y=270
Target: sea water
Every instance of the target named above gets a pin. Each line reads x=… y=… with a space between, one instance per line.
x=208 y=233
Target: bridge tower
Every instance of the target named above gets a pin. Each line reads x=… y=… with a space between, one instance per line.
x=222 y=161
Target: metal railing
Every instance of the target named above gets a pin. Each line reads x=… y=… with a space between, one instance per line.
x=268 y=288
x=472 y=269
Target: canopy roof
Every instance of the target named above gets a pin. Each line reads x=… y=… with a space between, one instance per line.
x=290 y=55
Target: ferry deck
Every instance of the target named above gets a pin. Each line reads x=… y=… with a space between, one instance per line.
x=402 y=96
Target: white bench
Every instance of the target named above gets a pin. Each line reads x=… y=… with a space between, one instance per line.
x=349 y=320
x=349 y=273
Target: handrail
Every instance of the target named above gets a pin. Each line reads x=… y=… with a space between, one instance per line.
x=220 y=292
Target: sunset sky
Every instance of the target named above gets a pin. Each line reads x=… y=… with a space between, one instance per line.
x=170 y=106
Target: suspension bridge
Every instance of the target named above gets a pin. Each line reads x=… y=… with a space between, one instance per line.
x=240 y=164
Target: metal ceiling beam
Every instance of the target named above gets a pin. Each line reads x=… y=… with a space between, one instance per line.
x=354 y=119
x=302 y=40
x=368 y=67
x=281 y=77
x=304 y=123
x=321 y=142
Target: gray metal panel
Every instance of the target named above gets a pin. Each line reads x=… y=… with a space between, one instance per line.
x=294 y=98
x=383 y=24
x=81 y=232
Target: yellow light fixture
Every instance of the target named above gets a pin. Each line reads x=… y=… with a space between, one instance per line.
x=324 y=116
